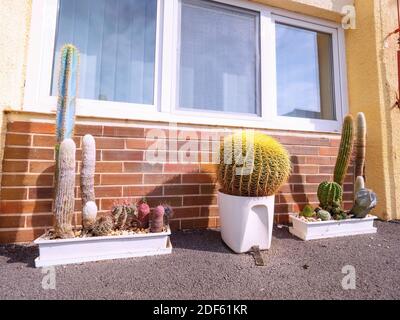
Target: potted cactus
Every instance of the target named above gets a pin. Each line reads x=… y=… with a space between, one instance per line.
x=330 y=219
x=125 y=231
x=252 y=168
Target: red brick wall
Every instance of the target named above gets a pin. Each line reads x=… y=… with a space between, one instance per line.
x=121 y=173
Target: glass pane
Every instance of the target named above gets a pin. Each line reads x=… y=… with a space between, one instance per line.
x=219 y=58
x=116 y=39
x=304 y=73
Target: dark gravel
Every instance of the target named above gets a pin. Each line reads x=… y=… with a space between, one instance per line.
x=201 y=267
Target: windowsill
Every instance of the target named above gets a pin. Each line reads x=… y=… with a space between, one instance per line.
x=118 y=112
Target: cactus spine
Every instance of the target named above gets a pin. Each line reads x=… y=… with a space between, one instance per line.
x=252 y=165
x=330 y=195
x=65 y=199
x=67 y=86
x=345 y=150
x=88 y=169
x=361 y=144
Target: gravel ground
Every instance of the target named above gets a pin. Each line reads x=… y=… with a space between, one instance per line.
x=202 y=267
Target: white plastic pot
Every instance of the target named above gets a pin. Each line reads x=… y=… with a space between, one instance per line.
x=246 y=221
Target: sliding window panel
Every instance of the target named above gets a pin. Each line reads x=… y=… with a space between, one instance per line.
x=305 y=81
x=117 y=44
x=219 y=67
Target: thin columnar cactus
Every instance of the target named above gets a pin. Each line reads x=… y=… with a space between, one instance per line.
x=252 y=165
x=67 y=92
x=65 y=197
x=361 y=144
x=345 y=150
x=330 y=195
x=88 y=169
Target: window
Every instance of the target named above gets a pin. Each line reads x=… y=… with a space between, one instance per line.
x=213 y=62
x=219 y=58
x=116 y=40
x=304 y=73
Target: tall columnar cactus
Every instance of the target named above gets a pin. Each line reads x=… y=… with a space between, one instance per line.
x=345 y=150
x=65 y=198
x=360 y=144
x=88 y=169
x=67 y=92
x=252 y=165
x=330 y=195
x=157 y=220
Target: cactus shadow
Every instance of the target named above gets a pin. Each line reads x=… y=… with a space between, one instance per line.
x=299 y=197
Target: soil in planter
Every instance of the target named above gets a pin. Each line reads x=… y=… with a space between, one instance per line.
x=80 y=233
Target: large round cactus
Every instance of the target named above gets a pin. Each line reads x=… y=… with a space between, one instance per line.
x=252 y=164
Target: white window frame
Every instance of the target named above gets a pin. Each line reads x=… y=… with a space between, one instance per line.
x=40 y=63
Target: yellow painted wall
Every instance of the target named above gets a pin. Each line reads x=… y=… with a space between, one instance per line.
x=14 y=29
x=372 y=75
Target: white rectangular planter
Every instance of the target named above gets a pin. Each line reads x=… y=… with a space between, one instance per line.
x=331 y=229
x=78 y=250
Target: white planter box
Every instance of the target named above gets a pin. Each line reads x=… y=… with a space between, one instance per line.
x=331 y=229
x=78 y=250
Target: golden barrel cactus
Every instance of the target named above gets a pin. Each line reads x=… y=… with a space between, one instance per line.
x=252 y=164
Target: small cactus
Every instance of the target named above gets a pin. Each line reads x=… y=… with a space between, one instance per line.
x=330 y=195
x=307 y=212
x=157 y=220
x=345 y=150
x=65 y=196
x=125 y=215
x=144 y=214
x=67 y=93
x=340 y=214
x=361 y=144
x=365 y=201
x=324 y=215
x=169 y=213
x=88 y=169
x=103 y=226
